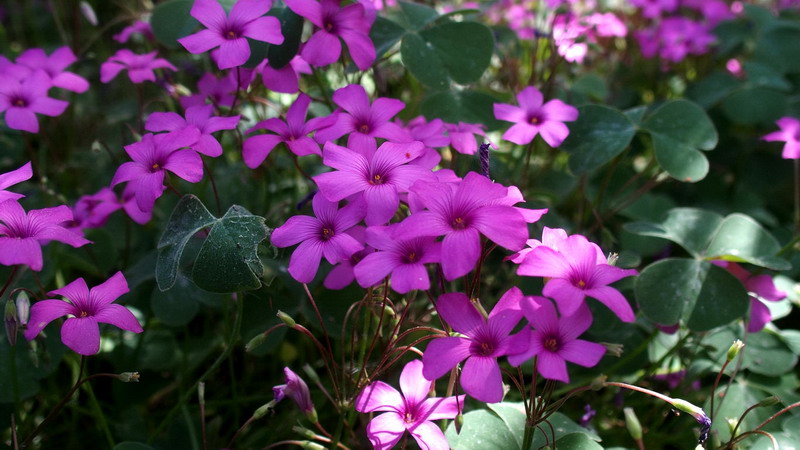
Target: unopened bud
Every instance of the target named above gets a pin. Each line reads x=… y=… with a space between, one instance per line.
x=311 y=373
x=733 y=351
x=23 y=308
x=696 y=412
x=613 y=349
x=88 y=13
x=632 y=423
x=305 y=432
x=312 y=416
x=308 y=445
x=459 y=423
x=769 y=401
x=255 y=342
x=287 y=319
x=264 y=409
x=10 y=319
x=128 y=377
x=731 y=424
x=613 y=258
x=201 y=393
x=598 y=383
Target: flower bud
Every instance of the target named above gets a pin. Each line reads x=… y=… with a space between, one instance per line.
x=305 y=432
x=613 y=258
x=255 y=342
x=88 y=12
x=698 y=414
x=598 y=383
x=264 y=409
x=769 y=401
x=459 y=423
x=297 y=390
x=128 y=377
x=308 y=445
x=10 y=319
x=23 y=308
x=287 y=319
x=632 y=423
x=733 y=351
x=201 y=393
x=613 y=349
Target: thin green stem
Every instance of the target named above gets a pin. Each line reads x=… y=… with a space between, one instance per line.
x=98 y=414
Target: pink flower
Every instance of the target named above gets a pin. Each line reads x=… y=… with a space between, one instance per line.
x=380 y=175
x=653 y=9
x=23 y=234
x=790 y=134
x=131 y=208
x=554 y=341
x=230 y=32
x=341 y=275
x=411 y=411
x=22 y=100
x=54 y=65
x=140 y=67
x=462 y=212
x=532 y=117
x=93 y=211
x=199 y=118
x=219 y=90
x=462 y=136
x=11 y=178
x=761 y=287
x=363 y=121
x=483 y=341
x=576 y=268
x=152 y=157
x=296 y=389
x=86 y=309
x=285 y=79
x=293 y=133
x=350 y=23
x=138 y=27
x=325 y=234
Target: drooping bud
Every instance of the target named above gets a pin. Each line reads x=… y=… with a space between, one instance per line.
x=297 y=390
x=10 y=319
x=201 y=393
x=255 y=342
x=733 y=351
x=769 y=401
x=128 y=377
x=287 y=319
x=459 y=423
x=696 y=412
x=23 y=308
x=305 y=432
x=632 y=423
x=308 y=445
x=264 y=409
x=598 y=383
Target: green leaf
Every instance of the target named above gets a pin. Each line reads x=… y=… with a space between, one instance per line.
x=171 y=20
x=461 y=106
x=738 y=398
x=778 y=48
x=457 y=51
x=481 y=430
x=591 y=85
x=292 y=29
x=755 y=106
x=577 y=441
x=384 y=34
x=698 y=293
x=691 y=228
x=680 y=129
x=177 y=306
x=600 y=134
x=228 y=260
x=417 y=15
x=188 y=218
x=767 y=354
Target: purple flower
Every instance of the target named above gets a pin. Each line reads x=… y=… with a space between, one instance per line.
x=405 y=260
x=341 y=275
x=140 y=67
x=554 y=341
x=23 y=234
x=296 y=389
x=197 y=117
x=462 y=136
x=218 y=90
x=653 y=9
x=93 y=211
x=380 y=175
x=53 y=66
x=138 y=27
x=577 y=269
x=152 y=157
x=22 y=99
x=351 y=23
x=761 y=287
x=411 y=411
x=85 y=308
x=325 y=234
x=790 y=134
x=363 y=121
x=293 y=132
x=131 y=207
x=11 y=178
x=287 y=78
x=230 y=32
x=532 y=117
x=483 y=341
x=462 y=213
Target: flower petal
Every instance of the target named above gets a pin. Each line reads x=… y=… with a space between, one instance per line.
x=109 y=290
x=481 y=379
x=379 y=396
x=442 y=355
x=82 y=335
x=413 y=385
x=374 y=268
x=385 y=430
x=43 y=312
x=456 y=309
x=119 y=316
x=305 y=260
x=429 y=436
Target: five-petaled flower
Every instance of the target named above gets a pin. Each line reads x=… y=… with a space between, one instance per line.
x=790 y=134
x=140 y=67
x=23 y=99
x=85 y=308
x=532 y=117
x=198 y=117
x=411 y=411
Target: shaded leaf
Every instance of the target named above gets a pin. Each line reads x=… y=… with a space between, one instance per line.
x=188 y=218
x=461 y=106
x=600 y=134
x=292 y=29
x=171 y=20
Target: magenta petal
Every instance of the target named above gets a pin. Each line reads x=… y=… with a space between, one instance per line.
x=521 y=133
x=305 y=260
x=545 y=262
x=568 y=297
x=82 y=335
x=266 y=29
x=559 y=111
x=414 y=386
x=44 y=312
x=120 y=317
x=256 y=149
x=109 y=290
x=361 y=48
x=233 y=53
x=554 y=133
x=128 y=171
x=340 y=248
x=410 y=277
x=429 y=436
x=16 y=176
x=759 y=316
x=614 y=300
x=210 y=13
x=249 y=10
x=202 y=41
x=338 y=185
x=109 y=71
x=309 y=9
x=379 y=396
x=164 y=121
x=295 y=230
x=386 y=430
x=374 y=268
x=584 y=353
x=49 y=106
x=530 y=99
x=342 y=158
x=382 y=202
x=147 y=189
x=303 y=146
x=481 y=379
x=503 y=225
x=552 y=366
x=456 y=309
x=509 y=113
x=437 y=408
x=71 y=82
x=207 y=145
x=21 y=251
x=186 y=164
x=761 y=285
x=340 y=276
x=61 y=234
x=570 y=327
x=22 y=119
x=442 y=355
x=460 y=251
x=322 y=49
x=423 y=223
